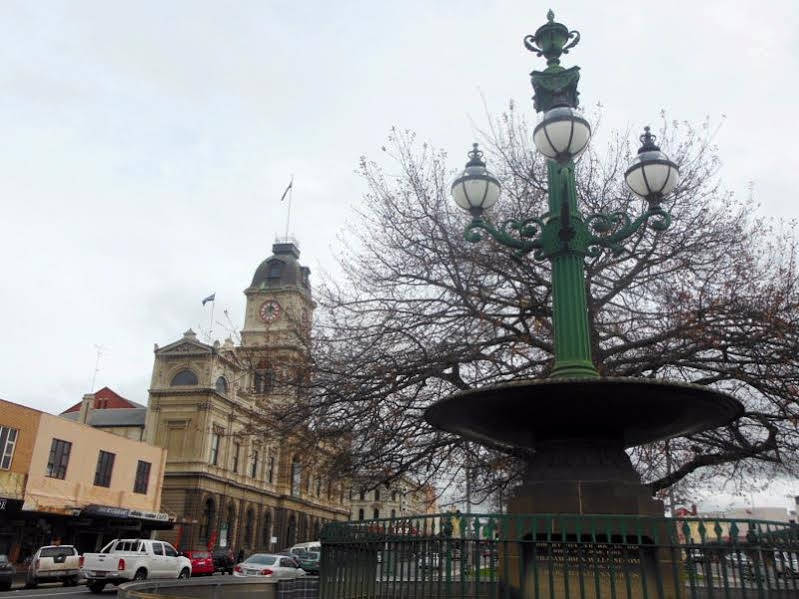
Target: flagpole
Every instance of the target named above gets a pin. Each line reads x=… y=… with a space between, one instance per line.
x=211 y=324
x=288 y=215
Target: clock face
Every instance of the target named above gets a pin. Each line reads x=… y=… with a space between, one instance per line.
x=270 y=311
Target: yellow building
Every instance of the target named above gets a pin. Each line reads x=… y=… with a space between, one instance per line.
x=231 y=479
x=66 y=481
x=399 y=499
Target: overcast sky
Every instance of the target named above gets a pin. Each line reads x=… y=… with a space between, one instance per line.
x=145 y=145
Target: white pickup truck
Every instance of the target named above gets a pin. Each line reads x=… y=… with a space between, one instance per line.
x=123 y=560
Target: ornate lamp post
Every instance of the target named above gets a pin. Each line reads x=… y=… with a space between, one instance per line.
x=563 y=235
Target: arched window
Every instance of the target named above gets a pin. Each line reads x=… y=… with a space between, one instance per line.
x=360 y=514
x=393 y=513
x=229 y=524
x=296 y=476
x=376 y=514
x=207 y=525
x=363 y=494
x=264 y=381
x=393 y=495
x=377 y=494
x=184 y=377
x=221 y=385
x=249 y=523
x=267 y=532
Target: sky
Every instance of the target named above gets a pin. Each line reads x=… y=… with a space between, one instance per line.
x=145 y=146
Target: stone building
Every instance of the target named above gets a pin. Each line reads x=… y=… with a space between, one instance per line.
x=230 y=480
x=400 y=498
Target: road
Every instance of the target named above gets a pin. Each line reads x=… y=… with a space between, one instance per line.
x=57 y=590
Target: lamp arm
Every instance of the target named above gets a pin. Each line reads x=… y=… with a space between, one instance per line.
x=524 y=235
x=601 y=224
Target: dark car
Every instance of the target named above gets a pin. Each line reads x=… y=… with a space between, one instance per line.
x=224 y=560
x=6 y=573
x=309 y=562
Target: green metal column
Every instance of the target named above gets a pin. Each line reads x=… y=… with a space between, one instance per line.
x=569 y=302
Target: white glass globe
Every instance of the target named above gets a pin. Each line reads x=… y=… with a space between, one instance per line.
x=476 y=188
x=652 y=174
x=562 y=135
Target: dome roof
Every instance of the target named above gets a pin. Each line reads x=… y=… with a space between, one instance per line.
x=282 y=269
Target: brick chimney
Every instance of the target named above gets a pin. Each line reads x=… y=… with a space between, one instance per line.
x=86 y=406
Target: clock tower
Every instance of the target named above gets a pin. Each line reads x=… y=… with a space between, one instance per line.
x=279 y=304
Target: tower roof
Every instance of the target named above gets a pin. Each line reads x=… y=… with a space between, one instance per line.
x=282 y=269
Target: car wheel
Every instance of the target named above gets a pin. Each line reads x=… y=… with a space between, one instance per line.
x=141 y=574
x=184 y=573
x=30 y=583
x=96 y=587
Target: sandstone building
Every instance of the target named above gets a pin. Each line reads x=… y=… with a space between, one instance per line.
x=229 y=479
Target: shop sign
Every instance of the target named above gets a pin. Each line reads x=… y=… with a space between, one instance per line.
x=108 y=511
x=157 y=516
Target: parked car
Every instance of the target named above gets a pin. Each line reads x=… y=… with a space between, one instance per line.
x=740 y=565
x=786 y=564
x=54 y=563
x=224 y=560
x=202 y=563
x=269 y=565
x=7 y=572
x=307 y=546
x=310 y=562
x=123 y=560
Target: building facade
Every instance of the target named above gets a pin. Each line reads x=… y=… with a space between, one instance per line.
x=400 y=498
x=231 y=480
x=62 y=481
x=110 y=412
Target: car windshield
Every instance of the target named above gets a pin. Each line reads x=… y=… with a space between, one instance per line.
x=312 y=555
x=262 y=559
x=56 y=551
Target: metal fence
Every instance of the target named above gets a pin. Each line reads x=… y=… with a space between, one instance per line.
x=549 y=556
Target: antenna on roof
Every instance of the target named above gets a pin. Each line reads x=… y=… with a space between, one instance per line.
x=290 y=190
x=99 y=349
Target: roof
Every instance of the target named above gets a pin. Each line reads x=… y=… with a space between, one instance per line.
x=109 y=399
x=112 y=417
x=282 y=269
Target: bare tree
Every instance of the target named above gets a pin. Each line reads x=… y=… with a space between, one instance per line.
x=420 y=313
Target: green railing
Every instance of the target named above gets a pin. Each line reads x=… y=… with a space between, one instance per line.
x=558 y=556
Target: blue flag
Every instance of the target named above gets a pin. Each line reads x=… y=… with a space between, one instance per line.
x=210 y=298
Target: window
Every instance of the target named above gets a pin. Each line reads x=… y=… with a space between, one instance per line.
x=275 y=269
x=236 y=451
x=8 y=439
x=105 y=466
x=142 y=477
x=221 y=385
x=393 y=513
x=184 y=377
x=264 y=381
x=377 y=494
x=271 y=471
x=59 y=458
x=376 y=514
x=207 y=524
x=254 y=465
x=215 y=448
x=296 y=476
x=360 y=514
x=309 y=486
x=318 y=486
x=363 y=495
x=158 y=549
x=393 y=495
x=170 y=551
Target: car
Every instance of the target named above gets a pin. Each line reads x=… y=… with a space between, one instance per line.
x=123 y=560
x=741 y=565
x=7 y=572
x=786 y=564
x=269 y=565
x=310 y=562
x=224 y=560
x=54 y=563
x=202 y=563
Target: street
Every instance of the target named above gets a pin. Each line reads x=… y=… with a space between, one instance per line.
x=56 y=590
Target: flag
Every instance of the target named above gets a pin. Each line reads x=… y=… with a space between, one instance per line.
x=283 y=197
x=210 y=298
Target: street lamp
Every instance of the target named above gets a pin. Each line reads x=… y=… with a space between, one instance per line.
x=563 y=235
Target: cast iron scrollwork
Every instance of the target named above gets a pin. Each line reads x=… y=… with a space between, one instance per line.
x=524 y=235
x=608 y=230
